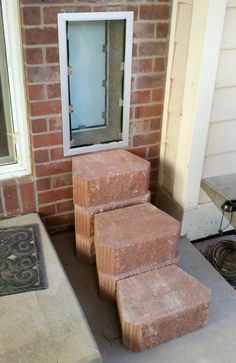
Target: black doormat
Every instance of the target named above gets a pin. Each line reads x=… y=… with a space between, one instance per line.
x=21 y=260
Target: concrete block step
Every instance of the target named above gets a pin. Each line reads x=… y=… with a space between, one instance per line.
x=84 y=216
x=107 y=176
x=108 y=283
x=134 y=237
x=160 y=305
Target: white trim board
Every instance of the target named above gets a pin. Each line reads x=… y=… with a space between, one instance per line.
x=202 y=64
x=201 y=68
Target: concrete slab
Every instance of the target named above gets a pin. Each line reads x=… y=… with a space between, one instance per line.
x=215 y=343
x=45 y=326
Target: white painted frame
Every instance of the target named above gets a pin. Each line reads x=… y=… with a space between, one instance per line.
x=13 y=41
x=203 y=55
x=62 y=20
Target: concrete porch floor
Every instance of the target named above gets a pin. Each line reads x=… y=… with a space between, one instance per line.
x=215 y=343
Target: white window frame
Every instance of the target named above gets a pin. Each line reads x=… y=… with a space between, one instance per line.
x=62 y=20
x=13 y=42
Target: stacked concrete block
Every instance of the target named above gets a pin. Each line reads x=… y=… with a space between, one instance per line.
x=160 y=305
x=102 y=182
x=133 y=240
x=136 y=255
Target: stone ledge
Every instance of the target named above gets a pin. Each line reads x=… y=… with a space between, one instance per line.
x=48 y=325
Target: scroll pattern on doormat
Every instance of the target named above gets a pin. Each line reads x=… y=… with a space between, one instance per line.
x=21 y=260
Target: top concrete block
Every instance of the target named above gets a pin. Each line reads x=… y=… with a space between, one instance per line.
x=134 y=237
x=107 y=176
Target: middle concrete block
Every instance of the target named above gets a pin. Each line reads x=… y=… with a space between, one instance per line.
x=134 y=237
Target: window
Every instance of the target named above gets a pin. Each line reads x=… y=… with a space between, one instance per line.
x=14 y=144
x=95 y=65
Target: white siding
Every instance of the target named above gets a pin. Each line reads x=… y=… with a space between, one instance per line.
x=220 y=156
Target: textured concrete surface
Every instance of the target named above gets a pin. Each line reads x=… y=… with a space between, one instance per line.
x=143 y=228
x=215 y=343
x=85 y=249
x=107 y=283
x=107 y=176
x=84 y=216
x=45 y=326
x=84 y=224
x=160 y=305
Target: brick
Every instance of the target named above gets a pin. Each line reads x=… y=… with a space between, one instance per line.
x=49 y=139
x=152 y=48
x=150 y=81
x=41 y=156
x=52 y=168
x=65 y=206
x=55 y=195
x=139 y=126
x=162 y=30
x=85 y=251
x=160 y=305
x=112 y=7
x=43 y=184
x=56 y=153
x=52 y=55
x=141 y=65
x=45 y=107
x=140 y=151
x=140 y=97
x=84 y=216
x=11 y=197
x=153 y=151
x=50 y=13
x=62 y=180
x=47 y=210
x=146 y=139
x=154 y=12
x=31 y=16
x=159 y=65
x=108 y=283
x=157 y=95
x=39 y=125
x=148 y=111
x=155 y=124
x=34 y=55
x=144 y=30
x=43 y=74
x=26 y=186
x=113 y=175
x=62 y=220
x=134 y=50
x=59 y=167
x=142 y=228
x=36 y=92
x=55 y=123
x=38 y=36
x=54 y=90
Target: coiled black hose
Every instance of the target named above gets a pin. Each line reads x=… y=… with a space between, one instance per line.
x=217 y=255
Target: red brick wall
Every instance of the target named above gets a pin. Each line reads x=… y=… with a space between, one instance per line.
x=53 y=198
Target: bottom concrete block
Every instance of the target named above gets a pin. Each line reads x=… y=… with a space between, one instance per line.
x=160 y=305
x=108 y=283
x=85 y=250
